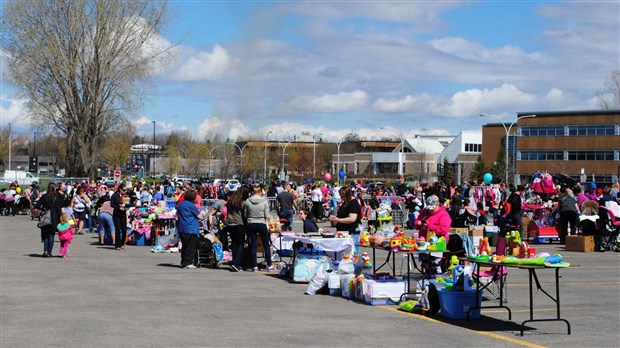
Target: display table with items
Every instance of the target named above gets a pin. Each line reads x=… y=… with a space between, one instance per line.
x=165 y=233
x=499 y=266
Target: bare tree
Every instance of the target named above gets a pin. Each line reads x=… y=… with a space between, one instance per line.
x=609 y=95
x=80 y=64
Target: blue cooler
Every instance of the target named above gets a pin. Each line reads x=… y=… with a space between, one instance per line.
x=455 y=304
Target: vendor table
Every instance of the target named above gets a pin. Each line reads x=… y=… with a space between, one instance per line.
x=533 y=278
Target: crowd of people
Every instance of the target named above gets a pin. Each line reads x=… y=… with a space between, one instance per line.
x=242 y=215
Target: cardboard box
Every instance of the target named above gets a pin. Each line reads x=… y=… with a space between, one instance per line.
x=476 y=231
x=459 y=230
x=580 y=243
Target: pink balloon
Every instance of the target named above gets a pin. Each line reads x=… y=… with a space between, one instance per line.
x=328 y=177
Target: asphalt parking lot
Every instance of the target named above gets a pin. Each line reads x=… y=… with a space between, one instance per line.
x=100 y=297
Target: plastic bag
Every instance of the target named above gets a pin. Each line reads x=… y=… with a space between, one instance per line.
x=346 y=267
x=318 y=281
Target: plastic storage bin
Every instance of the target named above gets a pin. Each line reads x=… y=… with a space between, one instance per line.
x=383 y=292
x=455 y=304
x=333 y=283
x=139 y=239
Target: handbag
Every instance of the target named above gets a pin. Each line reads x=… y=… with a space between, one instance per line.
x=45 y=220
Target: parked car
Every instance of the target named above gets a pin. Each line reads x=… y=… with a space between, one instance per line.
x=233 y=184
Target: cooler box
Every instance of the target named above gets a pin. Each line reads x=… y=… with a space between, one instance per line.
x=455 y=304
x=383 y=292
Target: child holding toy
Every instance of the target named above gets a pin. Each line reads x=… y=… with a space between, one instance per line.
x=65 y=234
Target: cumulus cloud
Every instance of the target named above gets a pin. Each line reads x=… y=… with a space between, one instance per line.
x=340 y=102
x=13 y=110
x=232 y=129
x=204 y=65
x=405 y=104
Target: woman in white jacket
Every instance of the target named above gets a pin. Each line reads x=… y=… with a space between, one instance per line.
x=257 y=214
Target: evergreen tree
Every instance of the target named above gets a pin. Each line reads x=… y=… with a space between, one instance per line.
x=478 y=171
x=446 y=176
x=498 y=169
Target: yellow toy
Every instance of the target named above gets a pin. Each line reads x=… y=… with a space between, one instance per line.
x=395 y=243
x=365 y=239
x=484 y=248
x=454 y=261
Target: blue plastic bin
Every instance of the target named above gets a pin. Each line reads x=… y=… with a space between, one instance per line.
x=139 y=239
x=171 y=204
x=455 y=304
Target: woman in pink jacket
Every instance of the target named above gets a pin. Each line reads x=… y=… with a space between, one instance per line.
x=434 y=218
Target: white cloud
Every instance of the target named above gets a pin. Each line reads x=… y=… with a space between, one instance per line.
x=465 y=49
x=203 y=65
x=405 y=104
x=232 y=129
x=12 y=110
x=340 y=102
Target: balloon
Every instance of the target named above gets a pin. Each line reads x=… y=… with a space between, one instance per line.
x=18 y=190
x=341 y=175
x=328 y=177
x=308 y=181
x=487 y=178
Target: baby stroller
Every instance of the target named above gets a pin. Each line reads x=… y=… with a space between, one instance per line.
x=609 y=230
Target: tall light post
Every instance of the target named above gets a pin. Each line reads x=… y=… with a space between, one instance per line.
x=338 y=143
x=211 y=155
x=265 y=159
x=10 y=141
x=314 y=137
x=153 y=169
x=283 y=152
x=401 y=154
x=507 y=129
x=241 y=157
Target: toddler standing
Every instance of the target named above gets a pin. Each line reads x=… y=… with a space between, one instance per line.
x=65 y=234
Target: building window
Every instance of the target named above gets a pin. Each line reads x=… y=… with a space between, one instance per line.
x=606 y=129
x=542 y=131
x=591 y=155
x=473 y=147
x=542 y=155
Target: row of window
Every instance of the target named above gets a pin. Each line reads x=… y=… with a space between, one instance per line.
x=570 y=155
x=473 y=147
x=606 y=129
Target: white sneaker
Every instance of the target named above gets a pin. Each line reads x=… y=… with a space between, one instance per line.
x=190 y=267
x=255 y=269
x=271 y=269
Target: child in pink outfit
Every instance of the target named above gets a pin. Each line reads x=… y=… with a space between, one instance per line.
x=65 y=234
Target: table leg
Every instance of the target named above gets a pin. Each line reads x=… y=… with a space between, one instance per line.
x=533 y=276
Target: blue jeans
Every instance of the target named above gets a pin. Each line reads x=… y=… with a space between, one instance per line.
x=48 y=243
x=261 y=231
x=106 y=224
x=288 y=215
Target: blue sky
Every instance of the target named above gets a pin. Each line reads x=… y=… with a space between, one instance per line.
x=245 y=68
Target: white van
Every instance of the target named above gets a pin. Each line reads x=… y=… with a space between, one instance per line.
x=22 y=177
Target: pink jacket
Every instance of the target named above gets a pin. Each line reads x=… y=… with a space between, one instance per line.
x=438 y=222
x=65 y=235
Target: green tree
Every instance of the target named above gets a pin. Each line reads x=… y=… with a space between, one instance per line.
x=498 y=169
x=81 y=65
x=478 y=171
x=446 y=175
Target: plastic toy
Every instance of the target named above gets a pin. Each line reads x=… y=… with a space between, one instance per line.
x=422 y=246
x=523 y=250
x=395 y=243
x=364 y=239
x=454 y=261
x=366 y=263
x=411 y=306
x=484 y=248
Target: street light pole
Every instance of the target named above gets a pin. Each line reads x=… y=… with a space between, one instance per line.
x=265 y=159
x=283 y=152
x=153 y=169
x=338 y=161
x=401 y=165
x=241 y=156
x=507 y=129
x=10 y=141
x=211 y=155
